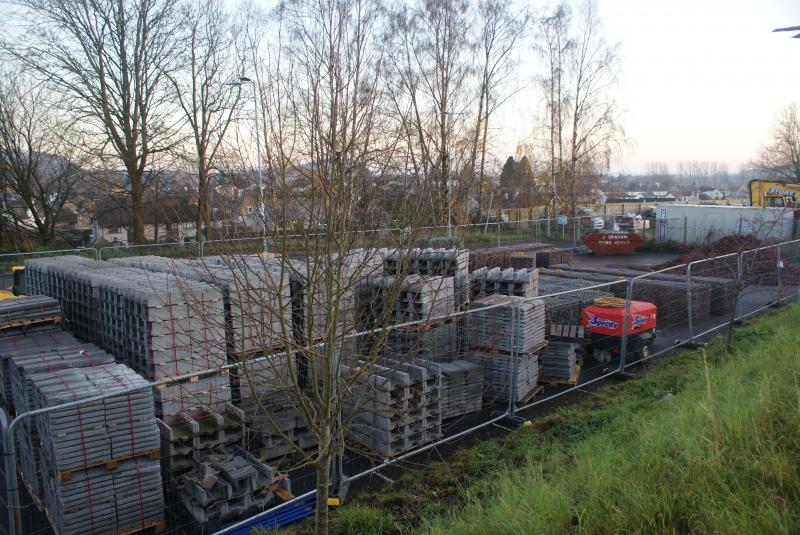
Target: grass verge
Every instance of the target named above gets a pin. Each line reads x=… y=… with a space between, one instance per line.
x=704 y=442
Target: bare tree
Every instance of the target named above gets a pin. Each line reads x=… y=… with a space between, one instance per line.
x=38 y=168
x=501 y=30
x=431 y=65
x=780 y=159
x=554 y=43
x=594 y=114
x=108 y=60
x=207 y=62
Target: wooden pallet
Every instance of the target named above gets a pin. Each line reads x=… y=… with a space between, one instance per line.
x=532 y=394
x=155 y=526
x=572 y=381
x=28 y=323
x=110 y=464
x=36 y=501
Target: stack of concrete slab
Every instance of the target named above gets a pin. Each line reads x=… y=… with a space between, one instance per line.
x=256 y=295
x=38 y=338
x=312 y=297
x=25 y=365
x=277 y=427
x=559 y=362
x=428 y=341
x=566 y=308
x=28 y=310
x=99 y=458
x=461 y=388
x=430 y=261
x=506 y=323
x=198 y=434
x=230 y=486
x=518 y=282
x=394 y=406
x=501 y=256
x=98 y=500
x=387 y=299
x=501 y=370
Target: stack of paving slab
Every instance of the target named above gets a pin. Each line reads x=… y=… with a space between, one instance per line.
x=198 y=434
x=256 y=297
x=28 y=310
x=309 y=290
x=505 y=343
x=461 y=388
x=399 y=300
x=436 y=262
x=227 y=486
x=125 y=500
x=559 y=361
x=566 y=308
x=670 y=297
x=518 y=282
x=521 y=371
x=423 y=341
x=395 y=406
x=36 y=338
x=490 y=324
x=99 y=458
x=501 y=256
x=277 y=427
x=540 y=258
x=722 y=289
x=161 y=325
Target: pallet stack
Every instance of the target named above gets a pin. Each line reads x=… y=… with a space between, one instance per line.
x=509 y=281
x=198 y=434
x=493 y=324
x=395 y=406
x=461 y=387
x=429 y=341
x=256 y=298
x=28 y=310
x=560 y=362
x=412 y=298
x=434 y=262
x=229 y=486
x=37 y=338
x=566 y=308
x=506 y=332
x=99 y=458
x=500 y=371
x=274 y=418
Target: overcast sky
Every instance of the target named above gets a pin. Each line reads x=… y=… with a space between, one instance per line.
x=700 y=80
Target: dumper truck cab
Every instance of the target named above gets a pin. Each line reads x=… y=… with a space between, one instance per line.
x=605 y=321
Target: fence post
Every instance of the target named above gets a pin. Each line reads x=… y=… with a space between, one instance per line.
x=574 y=233
x=201 y=246
x=498 y=233
x=689 y=300
x=623 y=348
x=12 y=497
x=780 y=271
x=685 y=223
x=512 y=369
x=97 y=254
x=739 y=285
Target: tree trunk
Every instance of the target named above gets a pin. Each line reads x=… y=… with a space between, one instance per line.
x=323 y=483
x=137 y=195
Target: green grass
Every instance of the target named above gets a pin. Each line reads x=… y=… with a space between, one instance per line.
x=696 y=445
